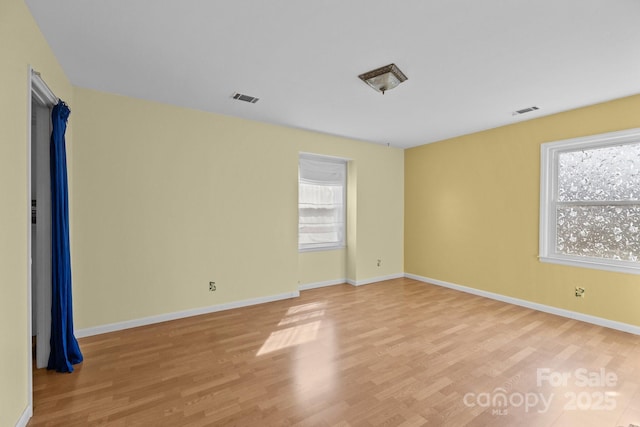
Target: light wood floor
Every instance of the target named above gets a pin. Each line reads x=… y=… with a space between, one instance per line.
x=395 y=353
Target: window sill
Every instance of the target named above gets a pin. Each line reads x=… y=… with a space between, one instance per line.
x=321 y=249
x=612 y=265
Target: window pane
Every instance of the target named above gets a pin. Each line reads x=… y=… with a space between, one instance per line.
x=321 y=198
x=320 y=213
x=599 y=231
x=315 y=196
x=600 y=174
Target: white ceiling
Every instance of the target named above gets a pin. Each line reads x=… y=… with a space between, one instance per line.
x=470 y=63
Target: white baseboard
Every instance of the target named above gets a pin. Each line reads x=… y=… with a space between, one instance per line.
x=322 y=284
x=375 y=279
x=134 y=323
x=112 y=327
x=612 y=324
x=26 y=416
x=349 y=281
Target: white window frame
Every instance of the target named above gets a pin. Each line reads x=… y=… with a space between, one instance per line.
x=342 y=243
x=549 y=153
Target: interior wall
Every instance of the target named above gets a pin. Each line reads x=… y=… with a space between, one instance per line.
x=168 y=199
x=322 y=266
x=22 y=44
x=472 y=212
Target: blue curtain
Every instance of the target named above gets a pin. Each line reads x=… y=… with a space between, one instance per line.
x=65 y=351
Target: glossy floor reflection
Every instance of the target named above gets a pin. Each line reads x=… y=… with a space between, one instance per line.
x=395 y=353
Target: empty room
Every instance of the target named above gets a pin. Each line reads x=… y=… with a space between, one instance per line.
x=289 y=213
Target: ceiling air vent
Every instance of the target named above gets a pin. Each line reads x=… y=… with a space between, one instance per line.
x=246 y=98
x=524 y=111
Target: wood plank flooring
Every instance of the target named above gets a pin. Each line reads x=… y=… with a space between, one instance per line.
x=394 y=353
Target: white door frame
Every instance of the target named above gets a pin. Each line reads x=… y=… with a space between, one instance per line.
x=37 y=89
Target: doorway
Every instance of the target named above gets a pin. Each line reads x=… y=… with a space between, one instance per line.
x=42 y=100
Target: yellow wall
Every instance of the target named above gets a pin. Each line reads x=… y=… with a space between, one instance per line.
x=322 y=266
x=22 y=44
x=472 y=208
x=167 y=199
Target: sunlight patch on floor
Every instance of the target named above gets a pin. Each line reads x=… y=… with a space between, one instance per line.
x=290 y=337
x=306 y=307
x=300 y=317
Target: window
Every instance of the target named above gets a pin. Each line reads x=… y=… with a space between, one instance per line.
x=321 y=202
x=590 y=202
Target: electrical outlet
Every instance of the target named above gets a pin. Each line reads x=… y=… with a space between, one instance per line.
x=579 y=292
x=212 y=286
x=379 y=262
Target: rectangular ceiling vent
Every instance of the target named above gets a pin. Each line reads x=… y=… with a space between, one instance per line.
x=246 y=98
x=524 y=111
